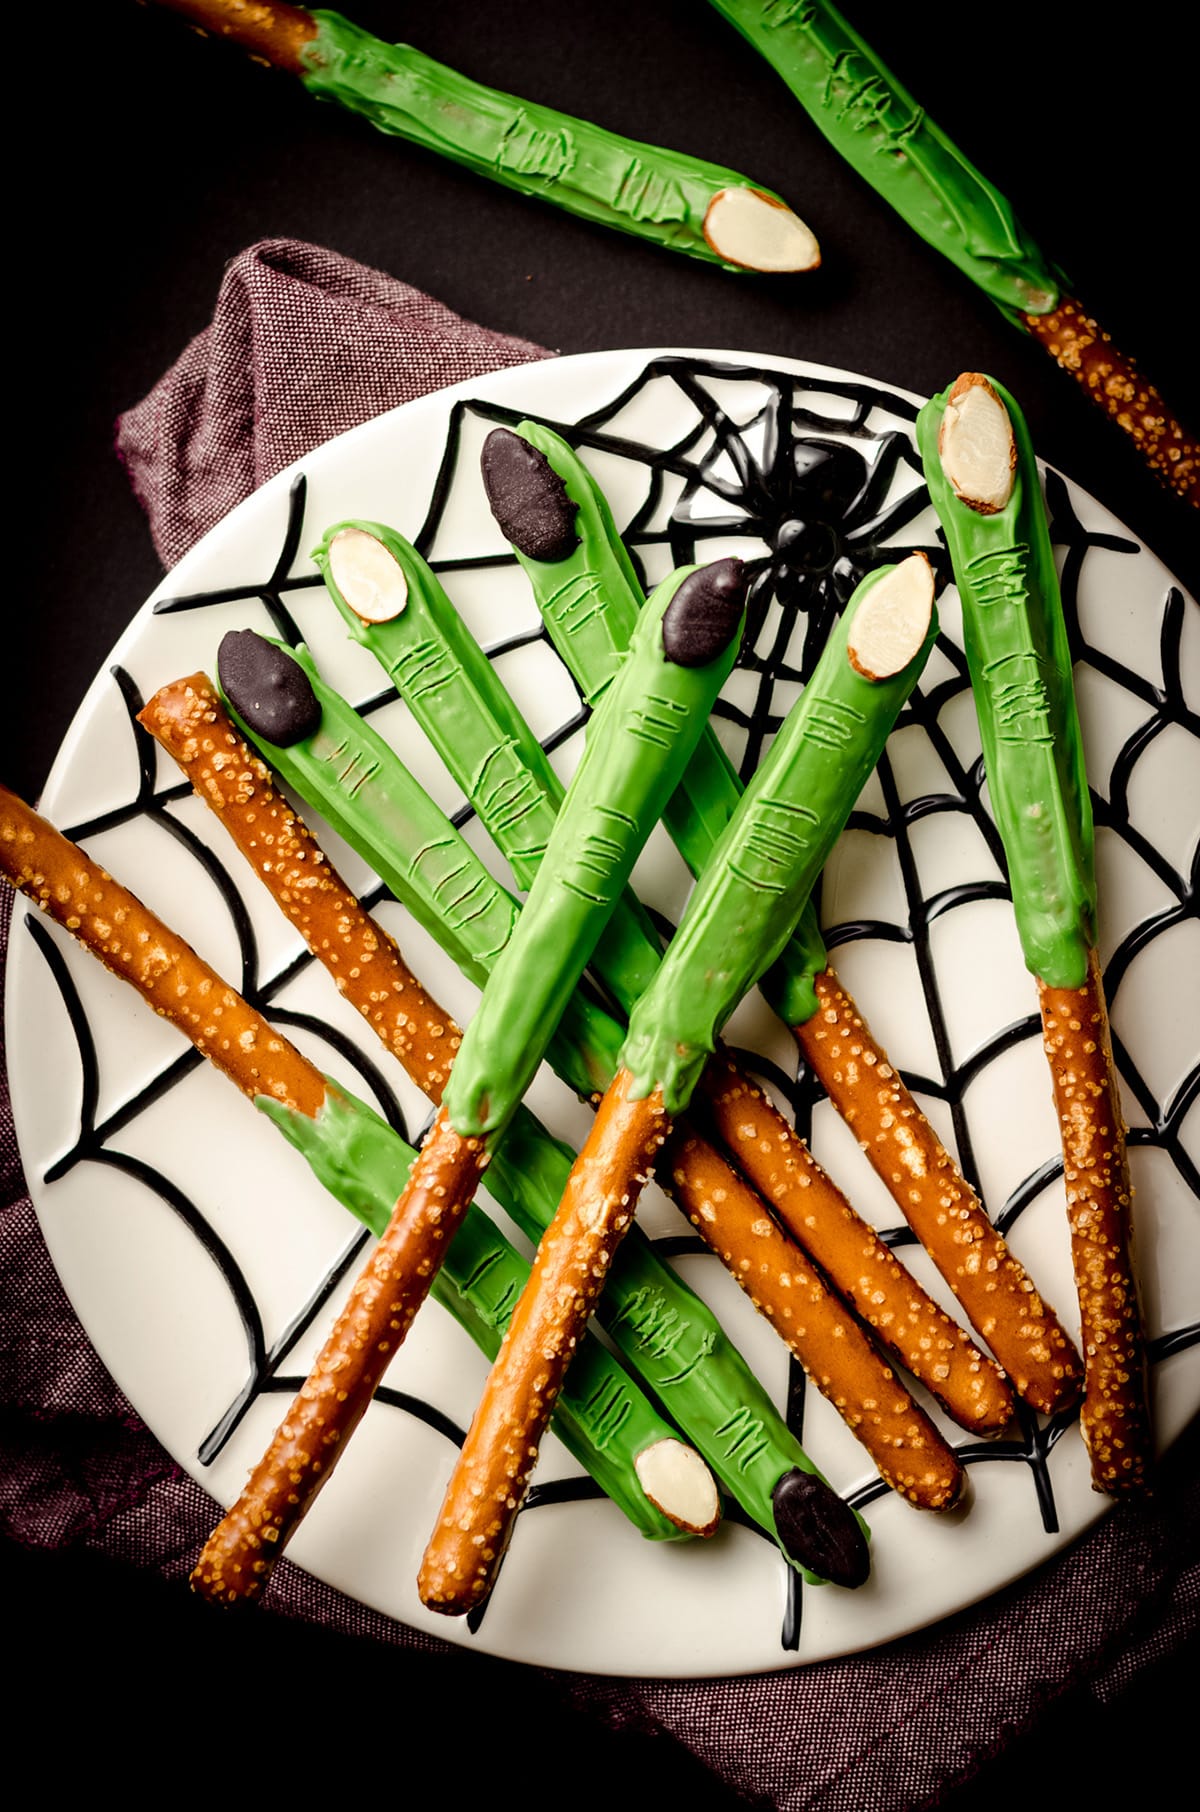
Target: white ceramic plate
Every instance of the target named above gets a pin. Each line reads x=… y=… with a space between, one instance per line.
x=194 y=1244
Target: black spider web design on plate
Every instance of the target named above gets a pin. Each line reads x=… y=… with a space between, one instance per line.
x=816 y=473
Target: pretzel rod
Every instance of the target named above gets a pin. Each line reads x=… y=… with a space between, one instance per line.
x=969 y=1386
x=737 y=919
x=573 y=1257
x=238 y=1556
x=677 y=201
x=602 y=1418
x=568 y=545
x=984 y=483
x=871 y=121
x=644 y=1297
x=1115 y=1416
x=996 y=1292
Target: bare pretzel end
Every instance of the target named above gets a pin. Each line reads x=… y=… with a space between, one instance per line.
x=820 y=1330
x=1077 y=343
x=238 y=1557
x=492 y=1474
x=866 y=1272
x=996 y=1293
x=269 y=30
x=1115 y=1417
x=190 y=721
x=135 y=945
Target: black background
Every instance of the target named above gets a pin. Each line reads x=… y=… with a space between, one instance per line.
x=150 y=157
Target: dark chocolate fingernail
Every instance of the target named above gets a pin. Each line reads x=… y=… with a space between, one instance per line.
x=527 y=497
x=704 y=613
x=268 y=689
x=819 y=1529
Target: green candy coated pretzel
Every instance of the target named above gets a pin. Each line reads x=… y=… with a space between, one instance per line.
x=881 y=131
x=766 y=861
x=660 y=195
x=590 y=602
x=1020 y=666
x=454 y=693
x=668 y=1335
x=637 y=745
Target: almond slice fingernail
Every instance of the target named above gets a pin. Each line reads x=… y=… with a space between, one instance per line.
x=976 y=445
x=893 y=620
x=754 y=230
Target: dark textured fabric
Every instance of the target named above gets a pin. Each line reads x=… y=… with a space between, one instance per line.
x=303 y=345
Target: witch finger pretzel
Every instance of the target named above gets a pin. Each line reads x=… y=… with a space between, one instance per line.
x=983 y=479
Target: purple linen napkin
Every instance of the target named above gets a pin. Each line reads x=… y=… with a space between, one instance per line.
x=304 y=344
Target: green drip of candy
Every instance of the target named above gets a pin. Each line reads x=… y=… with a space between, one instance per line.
x=670 y=1337
x=601 y=1417
x=590 y=602
x=457 y=698
x=617 y=182
x=1020 y=666
x=637 y=745
x=763 y=869
x=880 y=130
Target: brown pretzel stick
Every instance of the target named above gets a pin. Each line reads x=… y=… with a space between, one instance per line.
x=134 y=944
x=969 y=1386
x=271 y=32
x=997 y=1294
x=1115 y=1417
x=333 y=1400
x=1080 y=346
x=190 y=721
x=833 y=1349
x=492 y=1472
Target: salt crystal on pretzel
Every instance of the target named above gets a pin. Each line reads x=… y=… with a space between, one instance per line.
x=990 y=505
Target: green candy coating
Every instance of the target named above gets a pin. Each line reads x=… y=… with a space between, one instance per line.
x=880 y=130
x=1020 y=666
x=590 y=602
x=617 y=182
x=636 y=748
x=764 y=866
x=457 y=698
